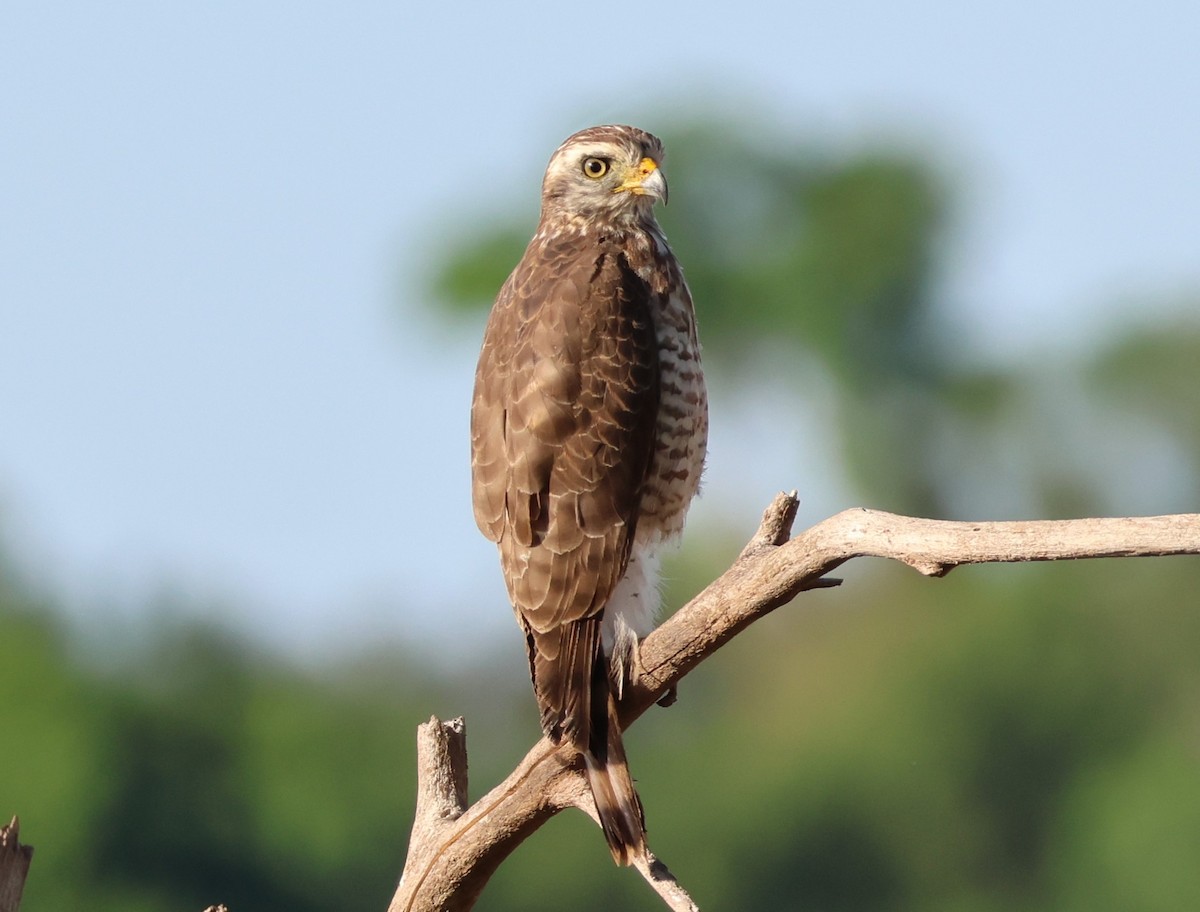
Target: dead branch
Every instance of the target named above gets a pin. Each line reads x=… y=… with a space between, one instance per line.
x=454 y=849
x=14 y=866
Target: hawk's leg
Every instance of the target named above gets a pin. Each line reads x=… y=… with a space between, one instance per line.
x=669 y=696
x=635 y=674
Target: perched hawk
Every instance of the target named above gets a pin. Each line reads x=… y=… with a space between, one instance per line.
x=588 y=432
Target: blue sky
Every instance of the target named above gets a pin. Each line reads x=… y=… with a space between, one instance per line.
x=217 y=373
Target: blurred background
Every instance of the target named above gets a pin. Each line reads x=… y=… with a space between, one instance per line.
x=945 y=262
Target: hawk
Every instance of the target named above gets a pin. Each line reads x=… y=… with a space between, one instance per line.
x=589 y=425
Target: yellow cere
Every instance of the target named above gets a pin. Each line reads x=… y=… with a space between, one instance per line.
x=635 y=176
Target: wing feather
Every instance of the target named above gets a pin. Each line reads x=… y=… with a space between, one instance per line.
x=562 y=433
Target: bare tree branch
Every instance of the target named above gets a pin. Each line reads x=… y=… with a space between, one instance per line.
x=454 y=849
x=663 y=882
x=14 y=866
x=656 y=874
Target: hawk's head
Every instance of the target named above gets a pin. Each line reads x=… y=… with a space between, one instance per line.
x=610 y=172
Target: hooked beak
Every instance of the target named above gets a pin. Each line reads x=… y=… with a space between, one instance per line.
x=646 y=179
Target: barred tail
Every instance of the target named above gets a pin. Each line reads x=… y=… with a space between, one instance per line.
x=616 y=799
x=571 y=680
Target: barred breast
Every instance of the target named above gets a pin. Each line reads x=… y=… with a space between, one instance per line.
x=682 y=426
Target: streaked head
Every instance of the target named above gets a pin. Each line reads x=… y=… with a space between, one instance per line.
x=612 y=172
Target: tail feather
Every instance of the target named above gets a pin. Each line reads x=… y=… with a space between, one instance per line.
x=575 y=693
x=617 y=801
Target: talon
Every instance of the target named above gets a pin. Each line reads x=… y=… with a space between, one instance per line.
x=670 y=696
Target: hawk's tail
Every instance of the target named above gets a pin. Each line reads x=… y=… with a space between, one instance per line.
x=617 y=801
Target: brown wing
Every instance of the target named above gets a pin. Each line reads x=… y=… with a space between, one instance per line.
x=562 y=430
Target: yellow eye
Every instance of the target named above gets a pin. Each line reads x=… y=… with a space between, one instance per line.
x=595 y=168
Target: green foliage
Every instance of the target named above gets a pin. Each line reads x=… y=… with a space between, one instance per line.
x=1153 y=373
x=54 y=752
x=200 y=772
x=476 y=268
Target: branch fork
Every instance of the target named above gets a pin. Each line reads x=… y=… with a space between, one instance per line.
x=455 y=848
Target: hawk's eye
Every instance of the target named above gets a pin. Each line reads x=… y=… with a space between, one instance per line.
x=595 y=167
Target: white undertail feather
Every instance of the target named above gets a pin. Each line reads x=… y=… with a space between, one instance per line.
x=631 y=613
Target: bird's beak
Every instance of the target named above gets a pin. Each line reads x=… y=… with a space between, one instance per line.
x=646 y=179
